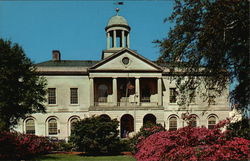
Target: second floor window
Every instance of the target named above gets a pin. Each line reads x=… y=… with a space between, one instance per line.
x=73 y=96
x=192 y=95
x=211 y=96
x=51 y=96
x=173 y=95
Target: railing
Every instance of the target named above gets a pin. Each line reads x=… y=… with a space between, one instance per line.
x=145 y=99
x=126 y=103
x=102 y=99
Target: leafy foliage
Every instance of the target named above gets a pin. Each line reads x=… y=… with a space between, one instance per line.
x=62 y=145
x=190 y=143
x=97 y=135
x=22 y=90
x=16 y=146
x=240 y=129
x=145 y=131
x=210 y=45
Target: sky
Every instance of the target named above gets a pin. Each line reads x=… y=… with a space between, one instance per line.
x=76 y=28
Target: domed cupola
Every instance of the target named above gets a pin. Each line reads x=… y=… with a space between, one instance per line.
x=117 y=31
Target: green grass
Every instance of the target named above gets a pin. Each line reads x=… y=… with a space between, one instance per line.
x=72 y=157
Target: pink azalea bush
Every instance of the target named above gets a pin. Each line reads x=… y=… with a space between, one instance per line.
x=14 y=146
x=190 y=143
x=145 y=131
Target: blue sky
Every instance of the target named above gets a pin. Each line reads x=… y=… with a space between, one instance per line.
x=76 y=28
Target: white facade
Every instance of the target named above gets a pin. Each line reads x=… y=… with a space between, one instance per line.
x=123 y=85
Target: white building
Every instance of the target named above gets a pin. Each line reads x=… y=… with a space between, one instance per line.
x=122 y=85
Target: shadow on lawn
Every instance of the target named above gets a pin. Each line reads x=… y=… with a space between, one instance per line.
x=45 y=157
x=100 y=154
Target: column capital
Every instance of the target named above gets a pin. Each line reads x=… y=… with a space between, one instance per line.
x=137 y=77
x=114 y=77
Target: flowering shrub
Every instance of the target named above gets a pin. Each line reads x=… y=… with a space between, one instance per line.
x=21 y=146
x=190 y=143
x=145 y=131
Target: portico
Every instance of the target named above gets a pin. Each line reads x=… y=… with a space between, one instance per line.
x=126 y=91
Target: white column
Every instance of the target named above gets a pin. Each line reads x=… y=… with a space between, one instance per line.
x=115 y=91
x=128 y=42
x=137 y=90
x=114 y=38
x=123 y=44
x=159 y=92
x=108 y=40
x=91 y=92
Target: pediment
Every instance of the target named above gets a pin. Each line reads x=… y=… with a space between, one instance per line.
x=126 y=60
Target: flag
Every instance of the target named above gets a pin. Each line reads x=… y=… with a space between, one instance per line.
x=130 y=86
x=119 y=3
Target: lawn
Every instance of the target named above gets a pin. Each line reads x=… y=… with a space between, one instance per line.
x=73 y=157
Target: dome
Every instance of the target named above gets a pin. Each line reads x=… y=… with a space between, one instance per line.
x=117 y=20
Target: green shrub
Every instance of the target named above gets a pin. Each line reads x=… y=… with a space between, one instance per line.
x=240 y=129
x=126 y=145
x=97 y=136
x=62 y=145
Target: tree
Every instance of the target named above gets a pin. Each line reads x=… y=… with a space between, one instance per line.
x=210 y=39
x=240 y=129
x=97 y=135
x=22 y=91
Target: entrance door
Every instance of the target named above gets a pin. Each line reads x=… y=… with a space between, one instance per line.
x=127 y=125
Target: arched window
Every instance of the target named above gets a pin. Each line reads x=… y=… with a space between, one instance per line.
x=193 y=121
x=127 y=125
x=52 y=126
x=149 y=119
x=211 y=122
x=105 y=116
x=102 y=93
x=30 y=126
x=72 y=124
x=172 y=123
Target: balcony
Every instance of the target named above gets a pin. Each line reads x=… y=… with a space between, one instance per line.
x=126 y=93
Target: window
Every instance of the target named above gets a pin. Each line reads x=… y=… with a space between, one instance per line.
x=192 y=95
x=73 y=95
x=72 y=124
x=211 y=122
x=52 y=124
x=52 y=96
x=173 y=95
x=193 y=121
x=30 y=126
x=211 y=96
x=172 y=123
x=145 y=94
x=102 y=93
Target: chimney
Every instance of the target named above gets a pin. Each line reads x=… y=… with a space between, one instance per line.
x=56 y=55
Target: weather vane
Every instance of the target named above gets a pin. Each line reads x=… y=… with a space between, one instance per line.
x=117 y=9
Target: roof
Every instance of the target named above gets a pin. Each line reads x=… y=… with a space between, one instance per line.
x=121 y=52
x=117 y=20
x=68 y=63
